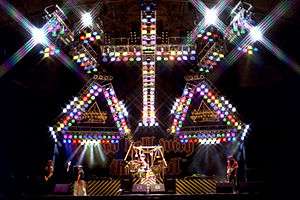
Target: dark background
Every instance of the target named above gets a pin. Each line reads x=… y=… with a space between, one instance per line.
x=264 y=89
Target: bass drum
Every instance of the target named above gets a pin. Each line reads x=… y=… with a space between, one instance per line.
x=156 y=169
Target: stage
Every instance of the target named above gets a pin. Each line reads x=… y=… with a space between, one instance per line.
x=223 y=196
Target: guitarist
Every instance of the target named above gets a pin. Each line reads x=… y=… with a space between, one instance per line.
x=232 y=168
x=48 y=177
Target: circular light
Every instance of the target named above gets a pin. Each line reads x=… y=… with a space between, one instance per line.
x=211 y=16
x=87 y=19
x=256 y=34
x=39 y=36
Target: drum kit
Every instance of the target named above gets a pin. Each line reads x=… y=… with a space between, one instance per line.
x=138 y=168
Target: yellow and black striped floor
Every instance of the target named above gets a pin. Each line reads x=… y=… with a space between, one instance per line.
x=184 y=186
x=104 y=187
x=196 y=185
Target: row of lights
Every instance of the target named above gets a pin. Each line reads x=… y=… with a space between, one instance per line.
x=133 y=37
x=148 y=34
x=211 y=59
x=217 y=140
x=97 y=138
x=180 y=109
x=90 y=142
x=248 y=49
x=125 y=56
x=208 y=36
x=75 y=109
x=176 y=58
x=50 y=51
x=90 y=136
x=121 y=56
x=245 y=132
x=118 y=110
x=220 y=105
x=85 y=60
x=175 y=55
x=89 y=37
x=207 y=135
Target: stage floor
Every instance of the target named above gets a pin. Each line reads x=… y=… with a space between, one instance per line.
x=218 y=196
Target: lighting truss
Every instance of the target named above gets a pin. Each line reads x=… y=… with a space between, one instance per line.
x=79 y=105
x=28 y=46
x=148 y=38
x=204 y=48
x=198 y=86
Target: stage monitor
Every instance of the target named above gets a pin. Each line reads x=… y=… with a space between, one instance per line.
x=139 y=188
x=157 y=188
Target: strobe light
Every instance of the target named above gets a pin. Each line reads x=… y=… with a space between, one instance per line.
x=39 y=36
x=256 y=34
x=211 y=16
x=86 y=19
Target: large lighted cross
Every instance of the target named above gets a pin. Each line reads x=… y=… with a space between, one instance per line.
x=149 y=53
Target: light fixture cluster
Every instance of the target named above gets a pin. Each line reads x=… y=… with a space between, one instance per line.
x=180 y=109
x=245 y=132
x=55 y=27
x=209 y=138
x=117 y=109
x=90 y=139
x=223 y=108
x=50 y=51
x=208 y=36
x=249 y=50
x=121 y=56
x=241 y=21
x=85 y=60
x=168 y=54
x=133 y=37
x=90 y=37
x=148 y=38
x=163 y=53
x=210 y=60
x=73 y=111
x=82 y=53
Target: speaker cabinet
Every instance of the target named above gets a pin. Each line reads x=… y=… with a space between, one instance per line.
x=157 y=188
x=139 y=188
x=224 y=188
x=62 y=189
x=170 y=185
x=126 y=184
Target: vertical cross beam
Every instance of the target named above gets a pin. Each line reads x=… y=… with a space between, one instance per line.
x=148 y=38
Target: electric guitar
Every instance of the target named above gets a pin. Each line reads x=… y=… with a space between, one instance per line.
x=230 y=170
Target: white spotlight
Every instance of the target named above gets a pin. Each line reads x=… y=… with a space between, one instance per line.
x=39 y=35
x=211 y=16
x=87 y=19
x=256 y=34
